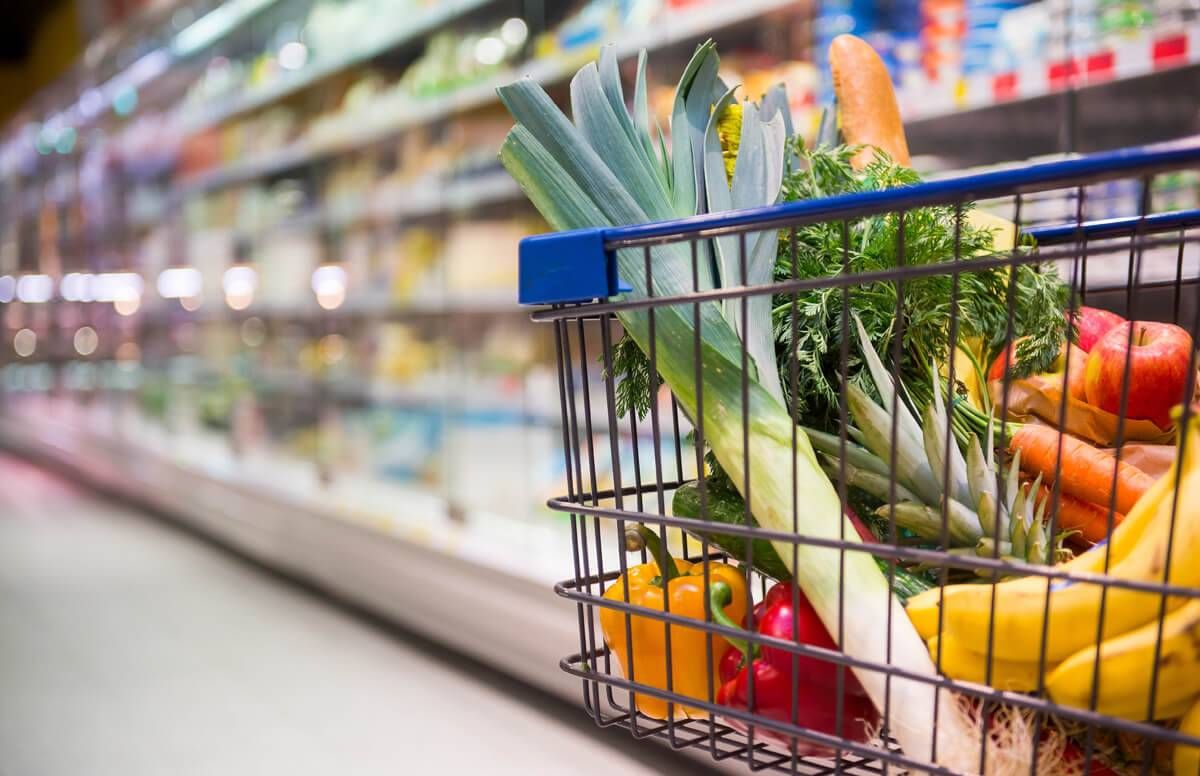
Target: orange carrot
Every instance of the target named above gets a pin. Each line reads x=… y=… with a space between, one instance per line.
x=1084 y=472
x=1075 y=514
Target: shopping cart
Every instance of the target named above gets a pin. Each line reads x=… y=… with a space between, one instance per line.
x=1144 y=265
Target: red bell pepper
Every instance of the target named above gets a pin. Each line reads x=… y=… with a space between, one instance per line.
x=1074 y=753
x=814 y=679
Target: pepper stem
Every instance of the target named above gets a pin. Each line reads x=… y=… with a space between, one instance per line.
x=720 y=595
x=666 y=564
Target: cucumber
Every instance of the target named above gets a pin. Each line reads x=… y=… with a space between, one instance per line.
x=906 y=584
x=725 y=505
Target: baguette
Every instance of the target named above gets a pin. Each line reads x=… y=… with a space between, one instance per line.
x=866 y=101
x=870 y=117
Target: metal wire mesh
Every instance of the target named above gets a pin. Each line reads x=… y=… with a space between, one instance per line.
x=623 y=470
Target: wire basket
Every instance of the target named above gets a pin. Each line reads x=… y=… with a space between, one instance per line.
x=662 y=668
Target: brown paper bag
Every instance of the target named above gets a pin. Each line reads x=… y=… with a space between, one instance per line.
x=1040 y=396
x=1154 y=460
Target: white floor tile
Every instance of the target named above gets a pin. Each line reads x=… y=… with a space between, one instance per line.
x=128 y=647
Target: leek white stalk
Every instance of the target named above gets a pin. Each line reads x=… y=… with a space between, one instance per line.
x=603 y=170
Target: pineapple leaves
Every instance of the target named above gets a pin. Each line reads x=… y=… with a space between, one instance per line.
x=928 y=486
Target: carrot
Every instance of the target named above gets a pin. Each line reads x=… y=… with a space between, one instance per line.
x=1075 y=514
x=1084 y=472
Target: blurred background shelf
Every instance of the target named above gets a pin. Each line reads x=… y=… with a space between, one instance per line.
x=1142 y=90
x=425 y=199
x=382 y=35
x=366 y=127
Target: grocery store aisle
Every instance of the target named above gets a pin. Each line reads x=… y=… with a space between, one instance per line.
x=130 y=647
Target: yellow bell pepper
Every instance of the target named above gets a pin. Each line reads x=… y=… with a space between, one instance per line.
x=690 y=675
x=729 y=133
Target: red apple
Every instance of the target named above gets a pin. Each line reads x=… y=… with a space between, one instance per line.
x=1158 y=359
x=996 y=370
x=1093 y=323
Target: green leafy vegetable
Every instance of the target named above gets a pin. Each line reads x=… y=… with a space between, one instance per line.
x=602 y=170
x=632 y=368
x=931 y=235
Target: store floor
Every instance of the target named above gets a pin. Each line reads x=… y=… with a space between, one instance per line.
x=130 y=647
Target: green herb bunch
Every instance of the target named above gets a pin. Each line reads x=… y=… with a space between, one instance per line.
x=808 y=326
x=931 y=235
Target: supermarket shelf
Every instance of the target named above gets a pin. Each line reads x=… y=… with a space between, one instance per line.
x=501 y=302
x=432 y=19
x=130 y=33
x=428 y=199
x=360 y=130
x=1106 y=95
x=420 y=200
x=1150 y=51
x=260 y=167
x=482 y=303
x=455 y=401
x=303 y=220
x=389 y=510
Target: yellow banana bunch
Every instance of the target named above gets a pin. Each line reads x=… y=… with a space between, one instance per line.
x=963 y=663
x=923 y=608
x=1070 y=616
x=1187 y=758
x=1124 y=667
x=1067 y=615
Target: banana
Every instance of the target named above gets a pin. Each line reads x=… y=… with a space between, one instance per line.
x=1126 y=667
x=1164 y=711
x=1069 y=617
x=963 y=663
x=1004 y=232
x=1073 y=616
x=1187 y=758
x=923 y=609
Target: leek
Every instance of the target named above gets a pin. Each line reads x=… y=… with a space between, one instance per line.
x=603 y=170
